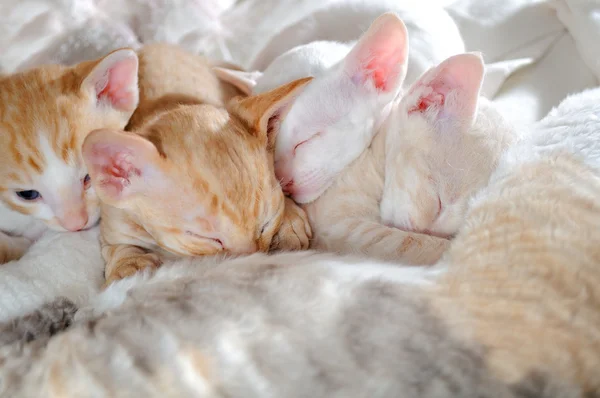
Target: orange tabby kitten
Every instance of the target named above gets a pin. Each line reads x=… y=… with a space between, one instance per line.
x=194 y=177
x=45 y=114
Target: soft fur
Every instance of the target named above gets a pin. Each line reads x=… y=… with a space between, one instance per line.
x=45 y=114
x=49 y=319
x=343 y=107
x=408 y=191
x=195 y=176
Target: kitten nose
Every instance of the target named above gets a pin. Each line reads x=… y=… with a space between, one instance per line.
x=75 y=221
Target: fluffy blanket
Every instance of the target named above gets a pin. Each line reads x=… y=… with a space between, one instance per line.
x=537 y=53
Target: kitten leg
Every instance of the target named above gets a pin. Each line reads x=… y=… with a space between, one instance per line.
x=376 y=240
x=125 y=260
x=12 y=247
x=295 y=231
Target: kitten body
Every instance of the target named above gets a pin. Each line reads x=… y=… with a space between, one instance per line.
x=510 y=312
x=192 y=177
x=45 y=114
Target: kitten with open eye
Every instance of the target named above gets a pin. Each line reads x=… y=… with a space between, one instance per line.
x=45 y=114
x=195 y=174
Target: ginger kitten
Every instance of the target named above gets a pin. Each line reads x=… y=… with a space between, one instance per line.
x=195 y=176
x=45 y=114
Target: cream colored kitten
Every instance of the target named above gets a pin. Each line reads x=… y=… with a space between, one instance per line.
x=45 y=114
x=195 y=176
x=413 y=183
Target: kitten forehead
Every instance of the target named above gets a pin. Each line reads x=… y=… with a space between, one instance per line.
x=57 y=173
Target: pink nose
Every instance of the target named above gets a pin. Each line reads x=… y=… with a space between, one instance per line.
x=75 y=221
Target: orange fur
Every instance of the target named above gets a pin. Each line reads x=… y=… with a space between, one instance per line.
x=45 y=114
x=205 y=180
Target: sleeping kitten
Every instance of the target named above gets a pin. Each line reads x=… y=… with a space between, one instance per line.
x=512 y=311
x=193 y=177
x=433 y=152
x=45 y=114
x=319 y=145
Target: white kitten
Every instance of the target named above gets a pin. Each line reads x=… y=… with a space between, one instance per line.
x=442 y=143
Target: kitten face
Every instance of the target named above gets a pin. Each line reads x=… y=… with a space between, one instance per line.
x=335 y=118
x=443 y=142
x=199 y=179
x=45 y=114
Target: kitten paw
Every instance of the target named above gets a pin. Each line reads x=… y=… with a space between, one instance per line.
x=295 y=231
x=132 y=265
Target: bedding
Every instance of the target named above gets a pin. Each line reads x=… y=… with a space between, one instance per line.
x=536 y=51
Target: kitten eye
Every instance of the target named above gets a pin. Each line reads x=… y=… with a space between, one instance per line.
x=305 y=141
x=29 y=195
x=265 y=225
x=87 y=181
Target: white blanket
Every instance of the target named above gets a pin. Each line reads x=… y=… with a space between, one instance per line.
x=537 y=52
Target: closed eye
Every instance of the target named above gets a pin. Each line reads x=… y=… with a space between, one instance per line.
x=264 y=227
x=300 y=144
x=439 y=211
x=304 y=142
x=215 y=240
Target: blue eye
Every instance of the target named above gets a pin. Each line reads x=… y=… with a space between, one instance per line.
x=29 y=195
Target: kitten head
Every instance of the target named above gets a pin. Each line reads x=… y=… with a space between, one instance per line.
x=199 y=179
x=449 y=142
x=45 y=114
x=335 y=118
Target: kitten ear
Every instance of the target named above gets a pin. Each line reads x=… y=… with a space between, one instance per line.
x=450 y=91
x=266 y=111
x=114 y=81
x=381 y=54
x=119 y=164
x=244 y=81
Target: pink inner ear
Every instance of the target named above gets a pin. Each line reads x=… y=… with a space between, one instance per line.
x=384 y=69
x=117 y=85
x=461 y=76
x=112 y=170
x=435 y=98
x=381 y=54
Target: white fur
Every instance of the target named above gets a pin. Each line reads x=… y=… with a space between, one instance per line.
x=346 y=269
x=341 y=117
x=58 y=264
x=312 y=59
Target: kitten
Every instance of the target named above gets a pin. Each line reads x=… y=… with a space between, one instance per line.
x=420 y=170
x=512 y=311
x=195 y=176
x=45 y=114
